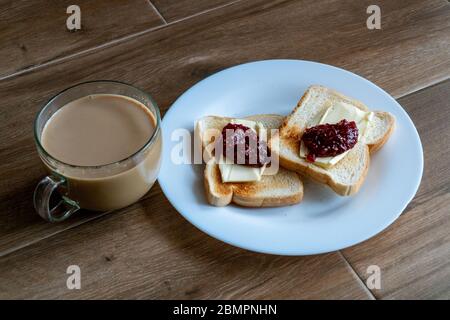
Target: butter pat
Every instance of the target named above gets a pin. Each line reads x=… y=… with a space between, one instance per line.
x=324 y=162
x=256 y=126
x=333 y=115
x=231 y=172
x=247 y=123
x=342 y=110
x=239 y=173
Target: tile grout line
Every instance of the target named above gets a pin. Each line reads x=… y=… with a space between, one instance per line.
x=80 y=53
x=111 y=43
x=205 y=11
x=79 y=223
x=157 y=11
x=424 y=87
x=358 y=278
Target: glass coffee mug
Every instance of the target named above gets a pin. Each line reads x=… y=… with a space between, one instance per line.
x=103 y=187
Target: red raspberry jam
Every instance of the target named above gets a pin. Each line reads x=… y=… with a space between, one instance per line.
x=329 y=140
x=246 y=139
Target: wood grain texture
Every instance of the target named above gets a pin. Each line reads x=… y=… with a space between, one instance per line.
x=33 y=32
x=414 y=253
x=407 y=54
x=410 y=52
x=178 y=9
x=149 y=251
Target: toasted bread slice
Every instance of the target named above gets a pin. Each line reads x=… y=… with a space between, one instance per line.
x=347 y=176
x=280 y=189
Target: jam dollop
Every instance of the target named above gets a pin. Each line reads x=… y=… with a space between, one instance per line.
x=329 y=140
x=238 y=139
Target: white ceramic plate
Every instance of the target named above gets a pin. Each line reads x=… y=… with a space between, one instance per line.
x=323 y=221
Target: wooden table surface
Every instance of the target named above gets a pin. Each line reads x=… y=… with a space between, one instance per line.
x=165 y=46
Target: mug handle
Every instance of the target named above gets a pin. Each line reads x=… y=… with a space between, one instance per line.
x=41 y=199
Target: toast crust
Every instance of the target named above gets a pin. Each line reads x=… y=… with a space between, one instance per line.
x=244 y=193
x=374 y=147
x=218 y=194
